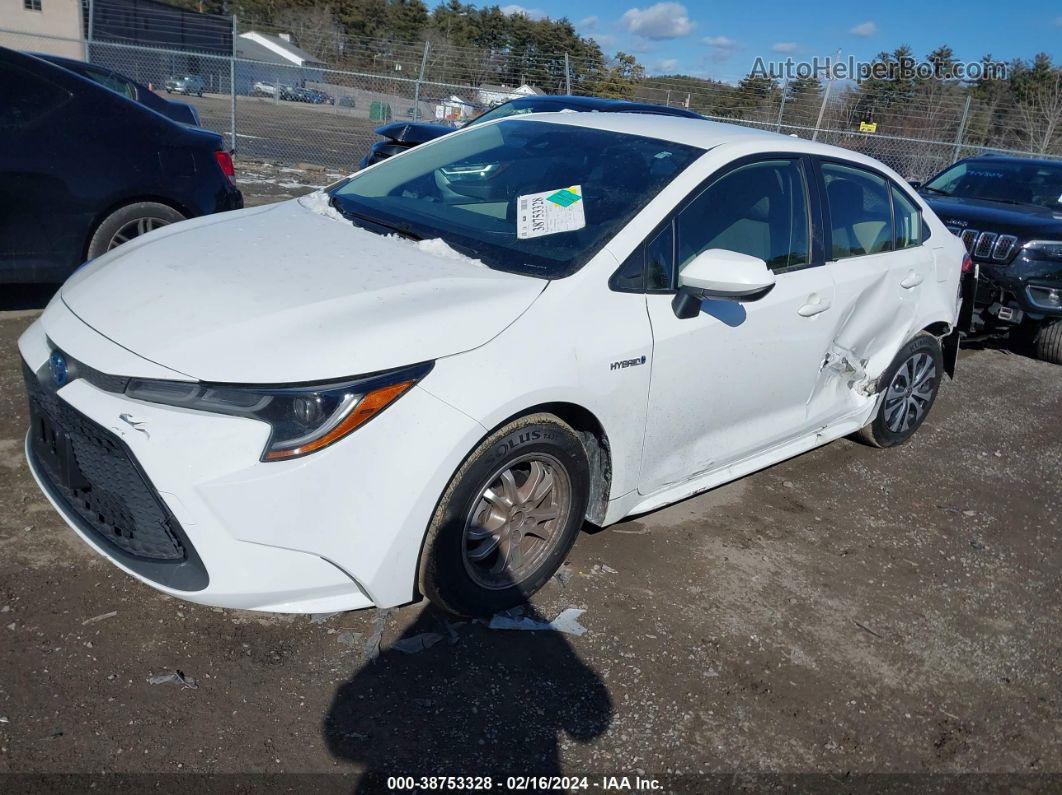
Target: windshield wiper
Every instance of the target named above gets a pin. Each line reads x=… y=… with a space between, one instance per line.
x=365 y=221
x=934 y=190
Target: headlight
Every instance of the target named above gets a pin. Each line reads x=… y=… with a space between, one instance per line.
x=304 y=419
x=1044 y=249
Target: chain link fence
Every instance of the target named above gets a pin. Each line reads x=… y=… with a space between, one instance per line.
x=320 y=116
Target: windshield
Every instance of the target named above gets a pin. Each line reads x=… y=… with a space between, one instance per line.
x=1033 y=183
x=529 y=197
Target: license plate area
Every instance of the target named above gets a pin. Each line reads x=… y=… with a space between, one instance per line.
x=54 y=450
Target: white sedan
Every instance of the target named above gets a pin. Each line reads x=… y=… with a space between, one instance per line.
x=426 y=379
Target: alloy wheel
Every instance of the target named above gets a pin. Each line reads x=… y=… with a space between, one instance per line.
x=516 y=521
x=135 y=228
x=910 y=393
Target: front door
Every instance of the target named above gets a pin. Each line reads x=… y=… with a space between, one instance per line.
x=736 y=379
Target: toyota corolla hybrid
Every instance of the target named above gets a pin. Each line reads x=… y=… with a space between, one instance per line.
x=425 y=379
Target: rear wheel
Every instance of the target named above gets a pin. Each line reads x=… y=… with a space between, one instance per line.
x=913 y=379
x=130 y=222
x=508 y=518
x=1048 y=342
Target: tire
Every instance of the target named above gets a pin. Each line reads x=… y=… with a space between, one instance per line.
x=466 y=566
x=128 y=222
x=1048 y=342
x=901 y=409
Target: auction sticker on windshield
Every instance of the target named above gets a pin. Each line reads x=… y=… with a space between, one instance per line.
x=550 y=212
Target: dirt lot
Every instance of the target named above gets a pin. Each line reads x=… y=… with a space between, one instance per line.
x=286 y=132
x=851 y=610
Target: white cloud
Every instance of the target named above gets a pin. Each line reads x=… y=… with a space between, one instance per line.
x=865 y=30
x=530 y=13
x=720 y=47
x=722 y=42
x=660 y=21
x=604 y=40
x=587 y=24
x=666 y=65
x=785 y=47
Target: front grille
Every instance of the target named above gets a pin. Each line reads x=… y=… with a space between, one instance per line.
x=986 y=245
x=95 y=475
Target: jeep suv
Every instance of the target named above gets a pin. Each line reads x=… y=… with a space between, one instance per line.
x=1008 y=212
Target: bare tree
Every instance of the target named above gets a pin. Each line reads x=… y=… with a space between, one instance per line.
x=1040 y=114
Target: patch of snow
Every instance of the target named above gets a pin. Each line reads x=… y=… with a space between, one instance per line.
x=317 y=202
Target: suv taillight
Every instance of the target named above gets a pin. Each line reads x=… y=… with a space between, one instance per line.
x=225 y=164
x=967 y=263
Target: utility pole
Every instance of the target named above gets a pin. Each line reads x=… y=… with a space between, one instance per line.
x=232 y=83
x=420 y=79
x=825 y=99
x=90 y=27
x=781 y=105
x=567 y=75
x=962 y=129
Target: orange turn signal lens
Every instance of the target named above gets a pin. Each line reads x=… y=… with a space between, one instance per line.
x=371 y=404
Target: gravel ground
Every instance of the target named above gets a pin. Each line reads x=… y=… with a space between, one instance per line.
x=848 y=611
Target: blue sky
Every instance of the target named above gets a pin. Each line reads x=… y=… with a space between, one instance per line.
x=721 y=40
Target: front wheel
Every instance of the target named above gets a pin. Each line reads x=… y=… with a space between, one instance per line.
x=1048 y=342
x=507 y=519
x=128 y=222
x=913 y=379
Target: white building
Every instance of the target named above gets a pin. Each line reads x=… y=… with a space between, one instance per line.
x=47 y=26
x=495 y=95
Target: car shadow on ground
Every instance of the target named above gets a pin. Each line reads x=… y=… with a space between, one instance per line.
x=26 y=296
x=478 y=702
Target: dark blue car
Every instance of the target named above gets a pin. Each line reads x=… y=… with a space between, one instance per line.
x=83 y=170
x=400 y=136
x=115 y=81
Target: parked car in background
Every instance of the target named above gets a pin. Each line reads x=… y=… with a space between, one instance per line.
x=318 y=97
x=427 y=379
x=1008 y=212
x=83 y=170
x=400 y=136
x=185 y=84
x=178 y=111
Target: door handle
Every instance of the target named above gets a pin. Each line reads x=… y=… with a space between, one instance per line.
x=816 y=304
x=913 y=279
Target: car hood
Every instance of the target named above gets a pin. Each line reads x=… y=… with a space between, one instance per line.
x=1023 y=220
x=291 y=293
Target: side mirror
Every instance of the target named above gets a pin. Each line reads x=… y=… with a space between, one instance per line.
x=718 y=273
x=915 y=183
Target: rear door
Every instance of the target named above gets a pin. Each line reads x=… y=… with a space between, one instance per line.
x=736 y=379
x=879 y=268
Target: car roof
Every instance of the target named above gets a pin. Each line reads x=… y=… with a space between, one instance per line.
x=989 y=157
x=603 y=104
x=698 y=132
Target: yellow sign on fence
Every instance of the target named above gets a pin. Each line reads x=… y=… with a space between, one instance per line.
x=868 y=126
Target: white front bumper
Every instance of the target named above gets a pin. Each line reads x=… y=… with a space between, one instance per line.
x=340 y=529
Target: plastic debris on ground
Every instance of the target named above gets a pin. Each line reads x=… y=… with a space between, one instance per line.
x=176 y=678
x=320 y=618
x=566 y=621
x=416 y=643
x=101 y=617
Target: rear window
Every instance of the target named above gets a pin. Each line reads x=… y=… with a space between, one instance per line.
x=26 y=98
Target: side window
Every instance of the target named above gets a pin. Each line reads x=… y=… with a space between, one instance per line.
x=26 y=98
x=659 y=255
x=760 y=209
x=112 y=82
x=908 y=220
x=860 y=211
